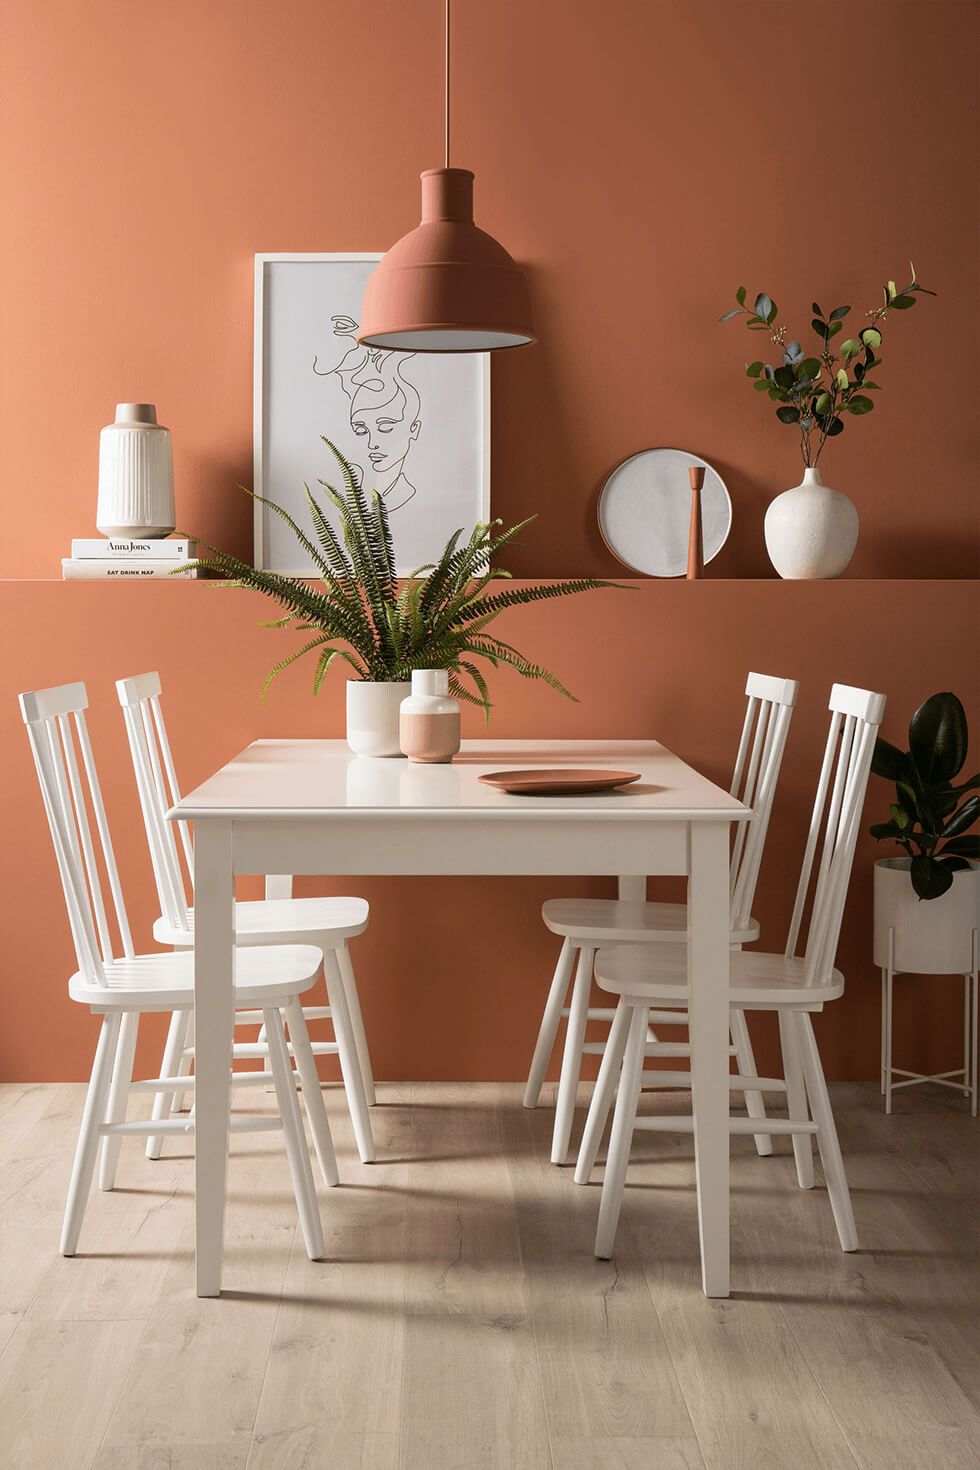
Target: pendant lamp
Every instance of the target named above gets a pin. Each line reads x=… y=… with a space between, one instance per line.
x=447 y=286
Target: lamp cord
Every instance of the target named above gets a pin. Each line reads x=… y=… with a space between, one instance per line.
x=447 y=83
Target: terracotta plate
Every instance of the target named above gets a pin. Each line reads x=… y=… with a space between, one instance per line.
x=557 y=781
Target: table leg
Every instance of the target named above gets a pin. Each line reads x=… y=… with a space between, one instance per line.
x=709 y=977
x=214 y=958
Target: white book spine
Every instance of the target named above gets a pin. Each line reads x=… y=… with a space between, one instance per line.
x=81 y=569
x=178 y=549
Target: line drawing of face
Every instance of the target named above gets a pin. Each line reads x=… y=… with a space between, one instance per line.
x=385 y=411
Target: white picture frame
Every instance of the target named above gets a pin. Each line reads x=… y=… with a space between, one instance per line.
x=440 y=434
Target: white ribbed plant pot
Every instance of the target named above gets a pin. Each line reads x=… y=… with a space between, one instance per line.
x=372 y=716
x=931 y=936
x=136 y=475
x=811 y=530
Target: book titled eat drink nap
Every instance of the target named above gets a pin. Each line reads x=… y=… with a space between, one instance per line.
x=91 y=568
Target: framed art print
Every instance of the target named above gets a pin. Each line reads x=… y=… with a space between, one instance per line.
x=415 y=426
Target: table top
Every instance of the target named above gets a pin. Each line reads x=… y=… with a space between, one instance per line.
x=316 y=778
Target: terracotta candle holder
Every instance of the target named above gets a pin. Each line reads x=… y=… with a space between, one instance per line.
x=695 y=546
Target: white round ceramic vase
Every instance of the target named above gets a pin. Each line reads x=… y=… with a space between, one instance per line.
x=811 y=530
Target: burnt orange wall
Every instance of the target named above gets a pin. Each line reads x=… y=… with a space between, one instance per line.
x=454 y=973
x=642 y=159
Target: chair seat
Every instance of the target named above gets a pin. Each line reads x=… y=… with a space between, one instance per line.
x=265 y=976
x=759 y=981
x=613 y=921
x=280 y=920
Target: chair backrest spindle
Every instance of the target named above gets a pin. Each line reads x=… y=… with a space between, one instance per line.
x=57 y=731
x=769 y=710
x=156 y=781
x=834 y=825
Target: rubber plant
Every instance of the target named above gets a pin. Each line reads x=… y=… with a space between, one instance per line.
x=930 y=816
x=383 y=627
x=816 y=390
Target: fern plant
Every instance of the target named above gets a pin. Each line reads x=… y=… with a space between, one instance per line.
x=439 y=617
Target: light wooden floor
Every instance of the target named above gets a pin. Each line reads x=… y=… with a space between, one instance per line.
x=462 y=1321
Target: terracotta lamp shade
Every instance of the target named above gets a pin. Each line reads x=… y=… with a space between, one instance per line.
x=447 y=286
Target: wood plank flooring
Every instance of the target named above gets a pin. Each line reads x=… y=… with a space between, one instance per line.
x=461 y=1320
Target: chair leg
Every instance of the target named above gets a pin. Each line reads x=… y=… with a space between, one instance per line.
x=827 y=1141
x=357 y=1023
x=624 y=1122
x=173 y=1058
x=180 y=1104
x=745 y=1057
x=550 y=1021
x=347 y=1052
x=571 y=1061
x=297 y=1153
x=312 y=1093
x=122 y=1076
x=796 y=1104
x=93 y=1115
x=602 y=1096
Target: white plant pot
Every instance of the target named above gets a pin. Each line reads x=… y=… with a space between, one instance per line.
x=811 y=530
x=136 y=475
x=372 y=716
x=932 y=936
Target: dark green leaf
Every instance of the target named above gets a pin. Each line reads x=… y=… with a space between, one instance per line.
x=761 y=385
x=753 y=369
x=965 y=817
x=929 y=878
x=968 y=846
x=822 y=403
x=816 y=310
x=819 y=327
x=809 y=367
x=889 y=761
x=740 y=295
x=785 y=377
x=881 y=830
x=938 y=738
x=834 y=328
x=954 y=864
x=858 y=404
x=850 y=349
x=902 y=303
x=755 y=325
x=838 y=313
x=900 y=816
x=871 y=337
x=788 y=415
x=837 y=427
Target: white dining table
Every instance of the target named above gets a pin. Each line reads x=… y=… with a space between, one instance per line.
x=311 y=806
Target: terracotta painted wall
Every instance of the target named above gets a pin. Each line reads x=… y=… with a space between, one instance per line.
x=643 y=159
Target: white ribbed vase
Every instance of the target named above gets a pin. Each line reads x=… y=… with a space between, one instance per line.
x=372 y=716
x=136 y=475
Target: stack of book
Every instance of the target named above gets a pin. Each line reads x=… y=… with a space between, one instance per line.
x=126 y=556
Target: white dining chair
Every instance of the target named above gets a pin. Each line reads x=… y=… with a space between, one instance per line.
x=586 y=923
x=122 y=987
x=794 y=986
x=328 y=923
